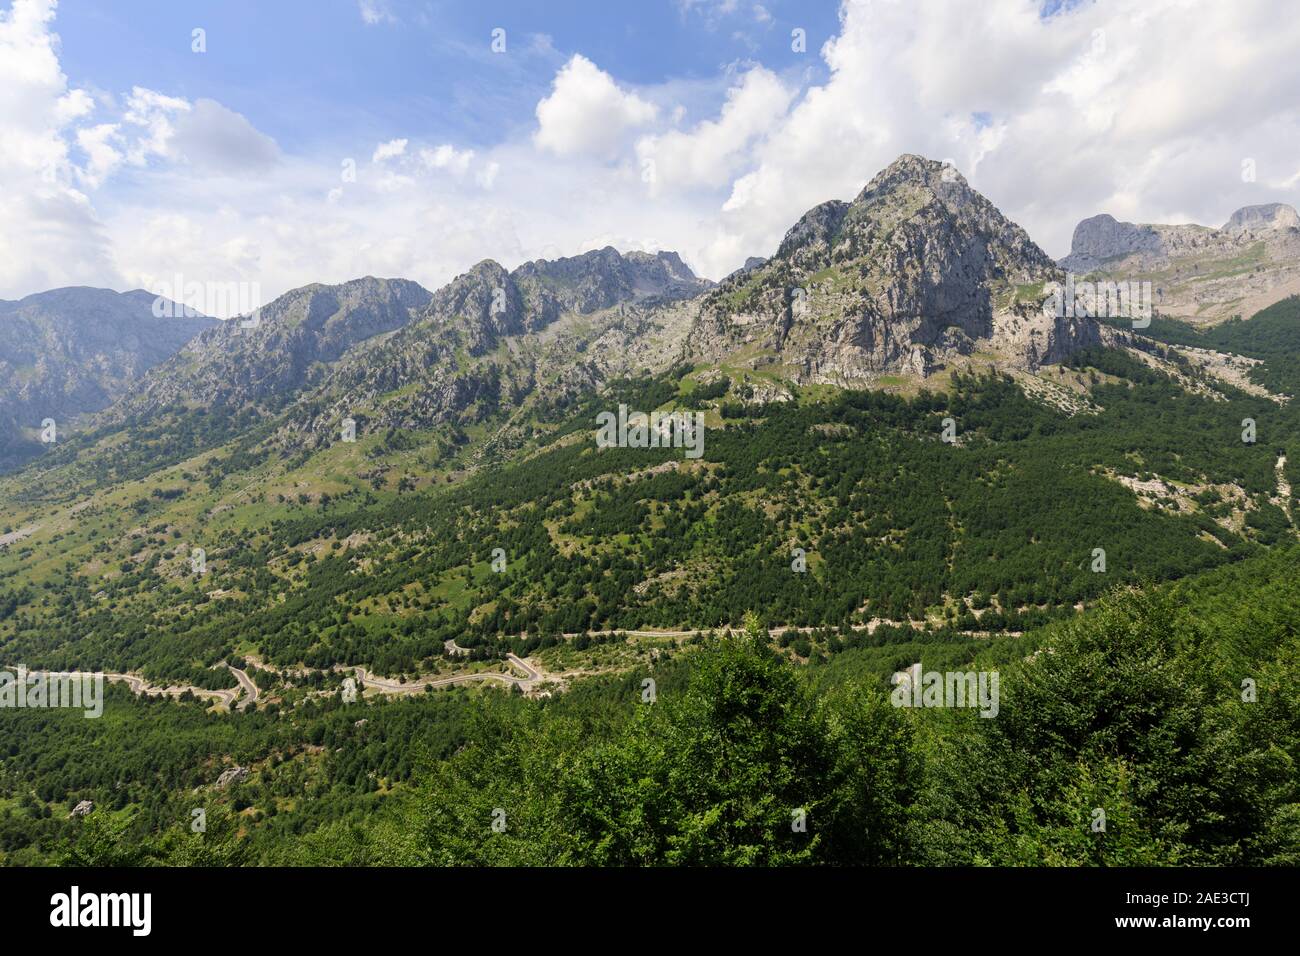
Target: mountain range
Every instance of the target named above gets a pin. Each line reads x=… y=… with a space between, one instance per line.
x=312 y=548
x=915 y=277
x=1201 y=274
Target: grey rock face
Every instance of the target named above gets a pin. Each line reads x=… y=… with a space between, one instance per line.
x=1101 y=238
x=601 y=279
x=903 y=279
x=232 y=775
x=1260 y=220
x=491 y=337
x=338 y=344
x=810 y=240
x=1202 y=274
x=234 y=364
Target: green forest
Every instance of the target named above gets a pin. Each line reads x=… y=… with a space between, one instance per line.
x=996 y=532
x=733 y=621
x=1172 y=711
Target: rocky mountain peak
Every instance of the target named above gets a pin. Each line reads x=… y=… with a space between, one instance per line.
x=812 y=237
x=603 y=278
x=1201 y=274
x=1265 y=218
x=906 y=207
x=1103 y=237
x=904 y=277
x=911 y=170
x=270 y=354
x=1100 y=240
x=328 y=308
x=484 y=302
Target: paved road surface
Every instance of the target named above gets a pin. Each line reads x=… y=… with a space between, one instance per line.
x=386 y=686
x=246 y=682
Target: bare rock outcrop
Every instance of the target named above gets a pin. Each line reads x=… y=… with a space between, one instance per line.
x=1198 y=273
x=917 y=271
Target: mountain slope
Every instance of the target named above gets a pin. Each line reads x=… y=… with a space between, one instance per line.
x=918 y=277
x=1199 y=274
x=293 y=338
x=917 y=273
x=70 y=351
x=491 y=338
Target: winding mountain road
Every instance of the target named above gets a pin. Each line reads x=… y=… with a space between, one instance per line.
x=247 y=693
x=246 y=683
x=532 y=678
x=138 y=685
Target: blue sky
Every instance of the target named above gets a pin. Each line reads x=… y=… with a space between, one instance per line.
x=322 y=140
x=315 y=74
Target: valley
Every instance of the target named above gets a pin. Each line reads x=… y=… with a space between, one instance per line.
x=378 y=553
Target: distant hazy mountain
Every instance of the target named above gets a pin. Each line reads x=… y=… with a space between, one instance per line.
x=1199 y=273
x=293 y=343
x=75 y=350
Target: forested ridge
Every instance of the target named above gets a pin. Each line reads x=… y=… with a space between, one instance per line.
x=995 y=532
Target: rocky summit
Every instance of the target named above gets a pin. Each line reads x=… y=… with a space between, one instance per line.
x=1200 y=274
x=917 y=273
x=916 y=277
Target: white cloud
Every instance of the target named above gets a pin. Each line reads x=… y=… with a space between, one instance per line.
x=375 y=11
x=710 y=154
x=101 y=157
x=389 y=150
x=447 y=157
x=153 y=113
x=1152 y=123
x=73 y=105
x=1144 y=109
x=487 y=176
x=218 y=140
x=49 y=234
x=391 y=182
x=710 y=10
x=586 y=112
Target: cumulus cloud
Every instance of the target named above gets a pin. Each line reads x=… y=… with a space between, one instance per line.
x=102 y=157
x=49 y=234
x=218 y=140
x=390 y=150
x=711 y=152
x=1142 y=108
x=152 y=114
x=487 y=176
x=447 y=157
x=587 y=113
